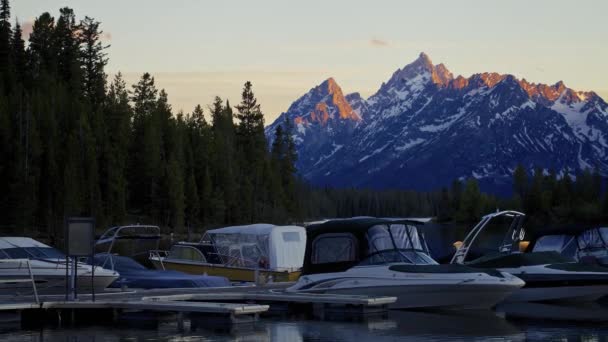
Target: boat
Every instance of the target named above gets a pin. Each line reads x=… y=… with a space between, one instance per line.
x=549 y=276
x=122 y=249
x=48 y=268
x=585 y=244
x=134 y=275
x=133 y=241
x=390 y=257
x=249 y=253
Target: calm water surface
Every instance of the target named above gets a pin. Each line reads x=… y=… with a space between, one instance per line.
x=519 y=323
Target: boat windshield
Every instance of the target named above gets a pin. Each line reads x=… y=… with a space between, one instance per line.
x=31 y=253
x=563 y=244
x=593 y=239
x=396 y=243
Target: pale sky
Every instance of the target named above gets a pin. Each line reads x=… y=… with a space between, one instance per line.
x=199 y=49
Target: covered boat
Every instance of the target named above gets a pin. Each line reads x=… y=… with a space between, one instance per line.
x=48 y=268
x=240 y=253
x=135 y=275
x=585 y=244
x=389 y=257
x=498 y=241
x=133 y=241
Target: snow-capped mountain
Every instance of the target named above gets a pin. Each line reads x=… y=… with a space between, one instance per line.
x=323 y=121
x=424 y=128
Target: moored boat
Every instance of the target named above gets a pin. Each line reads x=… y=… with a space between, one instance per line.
x=389 y=257
x=549 y=276
x=240 y=253
x=48 y=267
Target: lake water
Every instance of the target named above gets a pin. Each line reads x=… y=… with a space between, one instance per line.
x=525 y=322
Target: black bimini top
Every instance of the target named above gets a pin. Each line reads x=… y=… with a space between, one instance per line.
x=353 y=227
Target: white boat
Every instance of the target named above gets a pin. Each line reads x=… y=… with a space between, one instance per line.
x=549 y=276
x=240 y=253
x=48 y=268
x=388 y=257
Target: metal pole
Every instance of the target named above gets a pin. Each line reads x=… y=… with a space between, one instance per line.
x=67 y=278
x=29 y=267
x=74 y=278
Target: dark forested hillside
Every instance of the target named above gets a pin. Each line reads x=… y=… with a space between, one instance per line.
x=73 y=142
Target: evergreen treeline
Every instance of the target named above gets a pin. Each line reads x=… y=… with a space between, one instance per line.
x=73 y=143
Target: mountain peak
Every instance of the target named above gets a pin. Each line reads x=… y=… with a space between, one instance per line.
x=322 y=104
x=421 y=71
x=424 y=58
x=331 y=85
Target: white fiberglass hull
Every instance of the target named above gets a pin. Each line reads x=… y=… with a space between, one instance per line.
x=50 y=278
x=415 y=290
x=544 y=284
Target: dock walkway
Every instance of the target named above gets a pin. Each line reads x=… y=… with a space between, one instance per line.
x=235 y=304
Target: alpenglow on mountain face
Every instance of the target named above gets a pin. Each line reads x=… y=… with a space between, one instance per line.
x=424 y=128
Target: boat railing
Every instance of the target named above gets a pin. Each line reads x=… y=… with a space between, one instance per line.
x=159 y=255
x=19 y=266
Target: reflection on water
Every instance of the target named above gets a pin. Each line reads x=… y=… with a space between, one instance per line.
x=529 y=322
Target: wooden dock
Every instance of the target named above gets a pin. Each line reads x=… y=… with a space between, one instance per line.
x=230 y=305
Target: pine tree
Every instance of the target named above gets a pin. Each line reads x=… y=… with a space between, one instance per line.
x=471 y=205
x=520 y=181
x=5 y=39
x=534 y=204
x=117 y=120
x=145 y=170
x=456 y=195
x=277 y=156
x=223 y=164
x=18 y=53
x=289 y=171
x=42 y=47
x=252 y=150
x=93 y=59
x=68 y=49
x=443 y=208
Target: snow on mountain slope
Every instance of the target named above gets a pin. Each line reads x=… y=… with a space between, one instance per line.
x=424 y=127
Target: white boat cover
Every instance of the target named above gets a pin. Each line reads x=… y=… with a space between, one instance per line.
x=273 y=247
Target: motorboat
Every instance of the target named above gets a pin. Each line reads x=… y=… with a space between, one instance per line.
x=549 y=276
x=585 y=244
x=134 y=275
x=133 y=241
x=390 y=257
x=250 y=253
x=23 y=258
x=124 y=248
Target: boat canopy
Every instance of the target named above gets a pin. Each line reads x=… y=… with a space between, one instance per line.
x=577 y=243
x=337 y=245
x=267 y=245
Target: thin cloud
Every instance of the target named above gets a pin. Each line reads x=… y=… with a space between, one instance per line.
x=378 y=42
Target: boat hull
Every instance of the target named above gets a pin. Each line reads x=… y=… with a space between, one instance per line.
x=235 y=274
x=550 y=283
x=54 y=284
x=444 y=297
x=417 y=287
x=564 y=294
